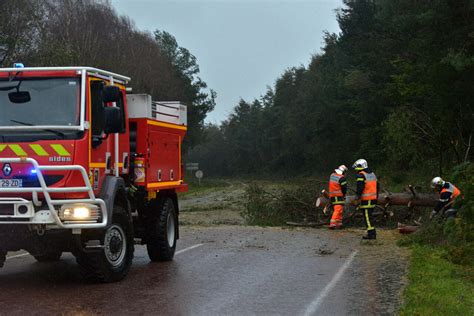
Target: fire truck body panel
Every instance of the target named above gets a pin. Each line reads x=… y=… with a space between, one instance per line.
x=47 y=152
x=161 y=149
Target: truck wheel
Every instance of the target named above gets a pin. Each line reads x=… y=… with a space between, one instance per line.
x=113 y=262
x=162 y=230
x=49 y=256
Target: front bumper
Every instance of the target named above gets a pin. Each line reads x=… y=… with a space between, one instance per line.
x=15 y=210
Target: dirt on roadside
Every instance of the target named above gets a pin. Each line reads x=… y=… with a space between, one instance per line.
x=214 y=206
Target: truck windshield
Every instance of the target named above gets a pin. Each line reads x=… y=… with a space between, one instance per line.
x=40 y=102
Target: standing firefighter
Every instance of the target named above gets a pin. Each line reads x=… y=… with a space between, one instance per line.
x=366 y=194
x=337 y=193
x=448 y=193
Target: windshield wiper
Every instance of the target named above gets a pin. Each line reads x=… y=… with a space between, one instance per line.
x=46 y=130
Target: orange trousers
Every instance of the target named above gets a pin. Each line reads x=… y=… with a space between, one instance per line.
x=336 y=218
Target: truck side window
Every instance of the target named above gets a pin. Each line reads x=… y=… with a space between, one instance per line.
x=97 y=108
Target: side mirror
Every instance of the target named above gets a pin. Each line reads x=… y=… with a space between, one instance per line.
x=113 y=120
x=19 y=97
x=111 y=94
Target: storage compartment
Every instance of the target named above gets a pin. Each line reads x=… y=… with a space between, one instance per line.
x=142 y=106
x=163 y=164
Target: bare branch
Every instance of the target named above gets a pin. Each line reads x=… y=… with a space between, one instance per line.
x=466 y=156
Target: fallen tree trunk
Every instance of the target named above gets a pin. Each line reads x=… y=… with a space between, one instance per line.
x=409 y=199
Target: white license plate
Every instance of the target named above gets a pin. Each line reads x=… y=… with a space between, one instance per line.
x=11 y=183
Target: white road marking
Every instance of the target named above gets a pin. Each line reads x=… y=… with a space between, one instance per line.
x=17 y=256
x=189 y=248
x=316 y=303
x=177 y=252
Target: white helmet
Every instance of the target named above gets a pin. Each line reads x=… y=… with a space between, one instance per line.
x=341 y=169
x=437 y=182
x=360 y=164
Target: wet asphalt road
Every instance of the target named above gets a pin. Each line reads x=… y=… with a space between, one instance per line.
x=230 y=270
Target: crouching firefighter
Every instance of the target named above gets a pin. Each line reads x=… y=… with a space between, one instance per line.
x=337 y=194
x=448 y=193
x=366 y=195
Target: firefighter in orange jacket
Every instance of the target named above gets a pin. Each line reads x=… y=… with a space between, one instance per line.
x=448 y=193
x=366 y=194
x=337 y=194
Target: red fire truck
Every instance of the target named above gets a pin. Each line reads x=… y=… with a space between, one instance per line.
x=87 y=169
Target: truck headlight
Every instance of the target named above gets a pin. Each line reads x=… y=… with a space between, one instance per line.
x=79 y=212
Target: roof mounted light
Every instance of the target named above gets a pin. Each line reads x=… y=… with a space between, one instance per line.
x=18 y=65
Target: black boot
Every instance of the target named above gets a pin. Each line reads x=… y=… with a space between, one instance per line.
x=371 y=234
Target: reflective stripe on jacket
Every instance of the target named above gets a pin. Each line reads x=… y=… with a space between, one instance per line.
x=370 y=188
x=455 y=192
x=335 y=188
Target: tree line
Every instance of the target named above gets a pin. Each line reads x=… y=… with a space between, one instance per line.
x=394 y=86
x=91 y=33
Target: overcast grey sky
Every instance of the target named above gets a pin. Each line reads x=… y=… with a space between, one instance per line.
x=241 y=46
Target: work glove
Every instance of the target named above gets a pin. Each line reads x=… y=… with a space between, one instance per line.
x=326 y=210
x=433 y=213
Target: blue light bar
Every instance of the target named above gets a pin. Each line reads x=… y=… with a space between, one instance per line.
x=18 y=65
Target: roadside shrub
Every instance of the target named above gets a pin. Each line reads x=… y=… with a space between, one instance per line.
x=274 y=207
x=455 y=236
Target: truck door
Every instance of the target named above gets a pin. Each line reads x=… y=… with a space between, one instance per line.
x=100 y=149
x=102 y=153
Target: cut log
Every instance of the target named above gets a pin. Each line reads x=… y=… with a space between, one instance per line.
x=409 y=199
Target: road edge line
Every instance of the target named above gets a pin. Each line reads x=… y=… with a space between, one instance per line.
x=177 y=252
x=318 y=300
x=189 y=248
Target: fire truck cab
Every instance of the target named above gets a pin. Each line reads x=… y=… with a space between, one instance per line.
x=87 y=169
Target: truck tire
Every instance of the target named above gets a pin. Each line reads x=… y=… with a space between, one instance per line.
x=48 y=256
x=113 y=262
x=161 y=230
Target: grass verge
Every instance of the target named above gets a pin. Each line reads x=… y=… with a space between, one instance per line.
x=206 y=185
x=437 y=286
